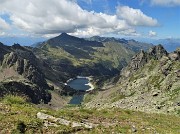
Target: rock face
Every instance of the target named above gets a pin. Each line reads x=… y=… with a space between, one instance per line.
x=34 y=93
x=140 y=59
x=157 y=52
x=150 y=83
x=20 y=74
x=25 y=68
x=154 y=85
x=175 y=55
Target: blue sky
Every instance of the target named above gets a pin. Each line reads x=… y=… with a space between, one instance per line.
x=167 y=16
x=42 y=19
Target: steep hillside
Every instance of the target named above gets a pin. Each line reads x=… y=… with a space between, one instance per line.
x=20 y=74
x=150 y=83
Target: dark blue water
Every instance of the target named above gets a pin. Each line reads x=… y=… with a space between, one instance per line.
x=77 y=99
x=78 y=84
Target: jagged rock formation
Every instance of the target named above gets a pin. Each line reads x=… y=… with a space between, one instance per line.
x=141 y=58
x=150 y=83
x=20 y=74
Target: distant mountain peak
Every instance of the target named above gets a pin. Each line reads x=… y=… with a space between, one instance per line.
x=96 y=36
x=158 y=51
x=64 y=34
x=66 y=41
x=17 y=46
x=133 y=40
x=1 y=44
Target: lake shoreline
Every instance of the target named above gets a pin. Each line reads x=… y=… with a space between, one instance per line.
x=90 y=84
x=81 y=77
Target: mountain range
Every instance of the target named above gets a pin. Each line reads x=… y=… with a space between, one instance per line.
x=51 y=63
x=77 y=56
x=133 y=82
x=170 y=44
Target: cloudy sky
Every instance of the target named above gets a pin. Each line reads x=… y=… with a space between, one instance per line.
x=119 y=18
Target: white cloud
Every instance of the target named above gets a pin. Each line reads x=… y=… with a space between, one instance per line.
x=47 y=17
x=166 y=2
x=2 y=33
x=131 y=32
x=87 y=1
x=135 y=16
x=152 y=33
x=3 y=25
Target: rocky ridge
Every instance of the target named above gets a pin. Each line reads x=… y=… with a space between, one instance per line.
x=21 y=75
x=150 y=83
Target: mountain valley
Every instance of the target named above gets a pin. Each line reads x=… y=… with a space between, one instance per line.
x=135 y=80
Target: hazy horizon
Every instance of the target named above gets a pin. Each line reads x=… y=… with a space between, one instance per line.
x=33 y=21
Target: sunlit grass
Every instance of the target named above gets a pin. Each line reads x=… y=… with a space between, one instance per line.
x=16 y=115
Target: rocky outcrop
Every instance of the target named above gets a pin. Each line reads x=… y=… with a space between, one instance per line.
x=175 y=56
x=19 y=64
x=25 y=68
x=140 y=59
x=157 y=52
x=53 y=121
x=19 y=68
x=34 y=93
x=150 y=83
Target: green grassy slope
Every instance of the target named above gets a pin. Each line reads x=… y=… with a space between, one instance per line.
x=17 y=116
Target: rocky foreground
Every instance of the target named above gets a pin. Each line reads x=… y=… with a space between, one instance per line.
x=18 y=116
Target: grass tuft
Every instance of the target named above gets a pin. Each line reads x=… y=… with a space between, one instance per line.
x=12 y=99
